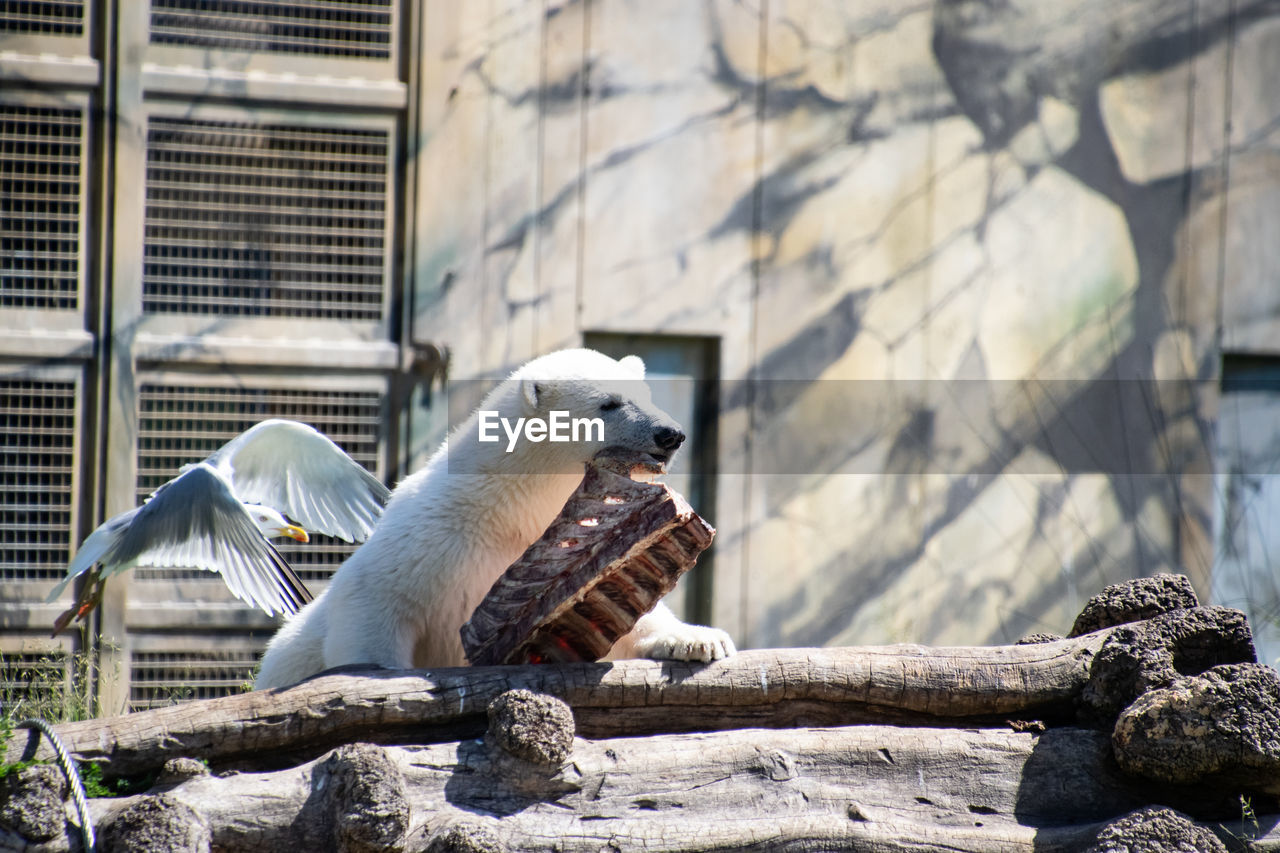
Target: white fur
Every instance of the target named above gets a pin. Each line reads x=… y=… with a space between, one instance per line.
x=452 y=528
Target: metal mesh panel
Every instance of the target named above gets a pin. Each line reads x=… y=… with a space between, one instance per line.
x=40 y=152
x=37 y=438
x=265 y=220
x=181 y=424
x=46 y=17
x=359 y=29
x=34 y=683
x=166 y=678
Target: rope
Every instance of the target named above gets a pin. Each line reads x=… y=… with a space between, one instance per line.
x=73 y=779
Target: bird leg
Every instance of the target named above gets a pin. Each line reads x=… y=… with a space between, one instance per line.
x=90 y=597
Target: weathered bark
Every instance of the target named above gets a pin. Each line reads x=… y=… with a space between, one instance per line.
x=615 y=549
x=531 y=726
x=156 y=823
x=903 y=684
x=544 y=776
x=885 y=787
x=896 y=684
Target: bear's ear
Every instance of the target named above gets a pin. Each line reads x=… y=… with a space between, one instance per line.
x=634 y=364
x=531 y=393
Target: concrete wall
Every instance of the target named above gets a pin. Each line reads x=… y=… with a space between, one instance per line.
x=972 y=268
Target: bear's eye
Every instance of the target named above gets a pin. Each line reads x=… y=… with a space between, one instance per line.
x=610 y=404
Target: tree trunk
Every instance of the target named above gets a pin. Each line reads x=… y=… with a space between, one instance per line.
x=781 y=687
x=874 y=787
x=978 y=749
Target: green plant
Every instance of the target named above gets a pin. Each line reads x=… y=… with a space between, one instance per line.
x=1241 y=836
x=7 y=731
x=52 y=685
x=48 y=684
x=91 y=776
x=97 y=785
x=8 y=767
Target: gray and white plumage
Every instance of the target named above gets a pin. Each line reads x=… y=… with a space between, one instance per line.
x=300 y=472
x=217 y=515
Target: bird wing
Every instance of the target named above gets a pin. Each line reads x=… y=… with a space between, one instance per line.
x=194 y=521
x=93 y=549
x=300 y=472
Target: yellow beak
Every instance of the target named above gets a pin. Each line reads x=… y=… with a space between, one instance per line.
x=294 y=532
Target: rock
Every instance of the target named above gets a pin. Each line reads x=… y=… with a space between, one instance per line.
x=532 y=726
x=1221 y=725
x=179 y=770
x=1153 y=654
x=1037 y=638
x=1155 y=829
x=157 y=824
x=1133 y=601
x=31 y=802
x=367 y=795
x=468 y=837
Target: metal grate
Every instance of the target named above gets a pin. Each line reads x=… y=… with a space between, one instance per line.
x=358 y=29
x=178 y=424
x=167 y=678
x=40 y=223
x=265 y=220
x=37 y=438
x=46 y=17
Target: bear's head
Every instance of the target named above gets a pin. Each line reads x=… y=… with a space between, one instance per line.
x=561 y=409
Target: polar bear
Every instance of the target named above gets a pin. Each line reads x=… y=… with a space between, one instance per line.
x=452 y=528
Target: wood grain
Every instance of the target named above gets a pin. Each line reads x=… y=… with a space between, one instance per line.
x=615 y=549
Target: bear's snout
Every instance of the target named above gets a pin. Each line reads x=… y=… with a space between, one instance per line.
x=667 y=438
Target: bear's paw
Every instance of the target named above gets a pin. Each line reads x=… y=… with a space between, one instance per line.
x=687 y=642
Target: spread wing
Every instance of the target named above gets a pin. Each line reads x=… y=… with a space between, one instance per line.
x=94 y=548
x=301 y=473
x=194 y=521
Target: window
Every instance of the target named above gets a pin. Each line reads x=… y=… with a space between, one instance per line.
x=1246 y=570
x=683 y=373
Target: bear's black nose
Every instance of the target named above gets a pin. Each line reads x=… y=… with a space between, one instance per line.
x=668 y=438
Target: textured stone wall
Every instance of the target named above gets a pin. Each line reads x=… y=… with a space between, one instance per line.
x=972 y=267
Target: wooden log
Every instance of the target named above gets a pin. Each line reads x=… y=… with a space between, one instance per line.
x=780 y=687
x=615 y=549
x=157 y=824
x=859 y=787
x=529 y=783
x=903 y=684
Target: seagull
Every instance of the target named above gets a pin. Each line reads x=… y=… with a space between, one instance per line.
x=218 y=515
